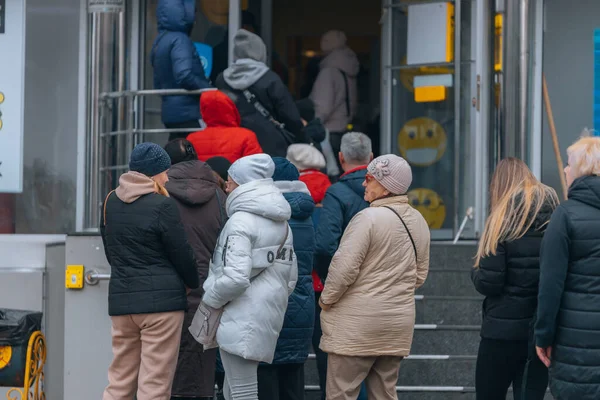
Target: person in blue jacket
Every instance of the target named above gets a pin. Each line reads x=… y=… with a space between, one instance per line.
x=343 y=200
x=177 y=65
x=284 y=378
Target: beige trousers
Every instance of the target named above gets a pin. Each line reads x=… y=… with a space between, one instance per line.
x=345 y=375
x=145 y=349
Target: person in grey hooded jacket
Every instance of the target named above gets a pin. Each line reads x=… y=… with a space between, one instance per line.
x=250 y=75
x=335 y=92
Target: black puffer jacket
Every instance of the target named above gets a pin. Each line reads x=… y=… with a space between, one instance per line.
x=151 y=261
x=509 y=280
x=569 y=297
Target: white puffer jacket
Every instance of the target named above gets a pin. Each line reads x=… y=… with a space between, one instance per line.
x=247 y=276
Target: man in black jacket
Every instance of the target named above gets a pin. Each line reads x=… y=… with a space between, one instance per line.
x=152 y=266
x=256 y=87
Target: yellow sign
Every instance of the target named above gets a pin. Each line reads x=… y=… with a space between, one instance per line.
x=498 y=20
x=74 y=277
x=5 y=356
x=430 y=205
x=422 y=142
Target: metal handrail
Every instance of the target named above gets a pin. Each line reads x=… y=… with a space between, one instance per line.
x=117 y=127
x=154 y=92
x=468 y=216
x=94 y=277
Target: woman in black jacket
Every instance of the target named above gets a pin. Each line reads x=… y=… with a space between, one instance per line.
x=254 y=86
x=567 y=331
x=152 y=265
x=507 y=273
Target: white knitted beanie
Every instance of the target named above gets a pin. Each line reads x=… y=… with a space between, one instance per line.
x=305 y=156
x=393 y=172
x=252 y=168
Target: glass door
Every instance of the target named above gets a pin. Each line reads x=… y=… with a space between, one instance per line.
x=436 y=127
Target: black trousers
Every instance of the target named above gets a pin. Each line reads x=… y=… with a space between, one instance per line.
x=281 y=382
x=335 y=139
x=182 y=125
x=321 y=355
x=501 y=363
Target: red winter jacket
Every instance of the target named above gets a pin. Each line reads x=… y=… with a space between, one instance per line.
x=222 y=135
x=317 y=183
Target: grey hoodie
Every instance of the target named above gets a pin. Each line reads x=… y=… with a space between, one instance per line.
x=249 y=58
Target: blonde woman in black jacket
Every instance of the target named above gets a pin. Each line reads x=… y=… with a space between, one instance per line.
x=507 y=273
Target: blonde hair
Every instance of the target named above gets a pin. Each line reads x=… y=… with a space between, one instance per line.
x=584 y=155
x=516 y=198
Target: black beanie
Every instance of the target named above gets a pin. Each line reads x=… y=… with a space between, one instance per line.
x=220 y=165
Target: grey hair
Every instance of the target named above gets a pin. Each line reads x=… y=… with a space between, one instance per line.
x=356 y=148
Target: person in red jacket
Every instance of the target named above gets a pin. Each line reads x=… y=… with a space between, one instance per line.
x=309 y=162
x=223 y=135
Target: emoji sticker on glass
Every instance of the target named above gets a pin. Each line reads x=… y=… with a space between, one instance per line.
x=422 y=142
x=430 y=205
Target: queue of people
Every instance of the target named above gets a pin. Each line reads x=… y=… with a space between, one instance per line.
x=278 y=223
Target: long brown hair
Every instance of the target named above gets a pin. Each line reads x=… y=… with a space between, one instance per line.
x=516 y=198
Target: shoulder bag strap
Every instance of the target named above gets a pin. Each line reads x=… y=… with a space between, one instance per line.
x=262 y=110
x=104 y=208
x=407 y=231
x=347 y=92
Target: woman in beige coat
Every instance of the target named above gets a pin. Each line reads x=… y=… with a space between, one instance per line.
x=368 y=300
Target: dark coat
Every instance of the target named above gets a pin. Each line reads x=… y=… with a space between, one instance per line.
x=176 y=62
x=275 y=97
x=509 y=280
x=201 y=204
x=568 y=317
x=150 y=259
x=342 y=202
x=296 y=335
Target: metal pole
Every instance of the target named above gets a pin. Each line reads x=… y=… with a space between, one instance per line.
x=457 y=108
x=234 y=25
x=524 y=78
x=93 y=122
x=511 y=117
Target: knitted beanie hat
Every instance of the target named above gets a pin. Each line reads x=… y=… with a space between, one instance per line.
x=393 y=172
x=252 y=168
x=305 y=156
x=284 y=170
x=149 y=159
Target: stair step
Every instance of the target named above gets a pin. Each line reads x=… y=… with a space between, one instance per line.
x=448 y=310
x=448 y=282
x=446 y=339
x=419 y=370
x=424 y=393
x=460 y=256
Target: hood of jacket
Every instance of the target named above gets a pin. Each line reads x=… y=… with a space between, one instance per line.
x=298 y=196
x=260 y=197
x=218 y=109
x=176 y=15
x=249 y=61
x=133 y=185
x=343 y=59
x=354 y=180
x=586 y=190
x=192 y=182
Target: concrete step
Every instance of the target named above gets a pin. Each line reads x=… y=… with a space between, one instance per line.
x=448 y=256
x=449 y=310
x=448 y=282
x=426 y=393
x=421 y=370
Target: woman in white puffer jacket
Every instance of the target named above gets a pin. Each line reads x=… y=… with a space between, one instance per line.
x=253 y=272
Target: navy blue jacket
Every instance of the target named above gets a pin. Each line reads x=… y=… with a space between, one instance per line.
x=342 y=202
x=175 y=60
x=568 y=317
x=295 y=337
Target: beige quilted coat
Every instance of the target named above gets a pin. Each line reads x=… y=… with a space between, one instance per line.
x=372 y=280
